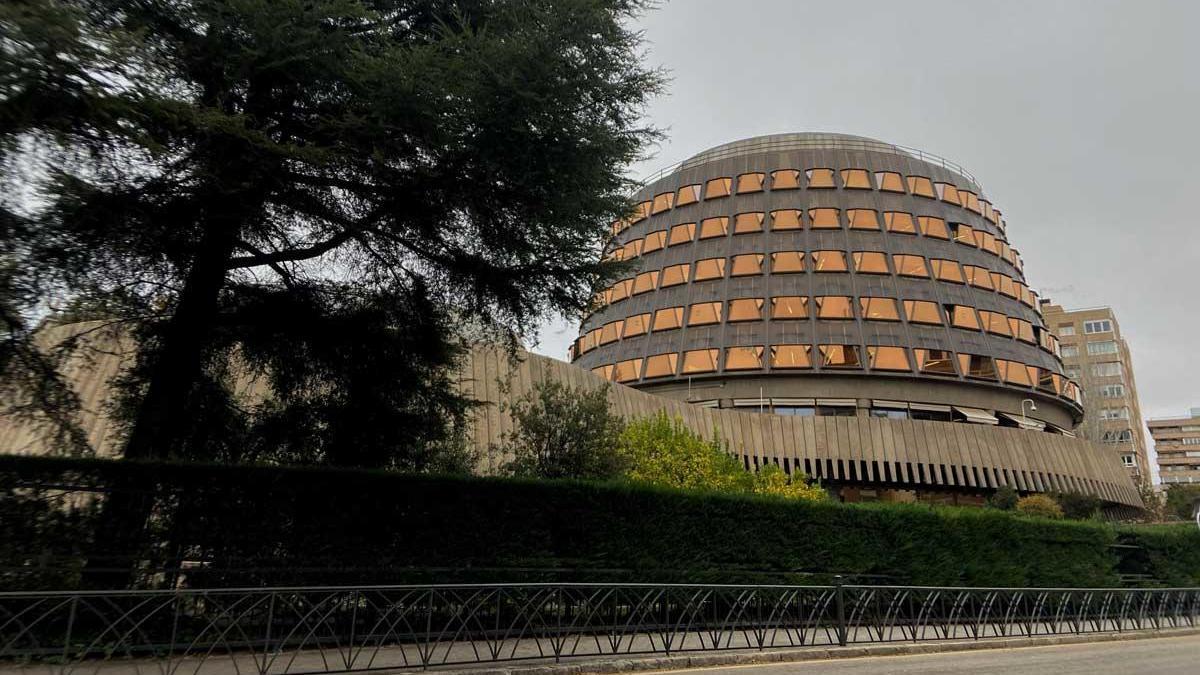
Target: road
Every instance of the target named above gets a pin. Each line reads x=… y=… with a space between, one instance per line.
x=1158 y=655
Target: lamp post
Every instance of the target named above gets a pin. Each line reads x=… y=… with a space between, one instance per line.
x=1032 y=408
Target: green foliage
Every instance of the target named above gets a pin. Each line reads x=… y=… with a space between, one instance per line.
x=563 y=432
x=1182 y=499
x=1041 y=506
x=1004 y=498
x=1077 y=506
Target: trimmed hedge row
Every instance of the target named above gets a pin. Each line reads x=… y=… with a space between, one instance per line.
x=268 y=525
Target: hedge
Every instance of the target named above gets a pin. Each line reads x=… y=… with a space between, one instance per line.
x=255 y=525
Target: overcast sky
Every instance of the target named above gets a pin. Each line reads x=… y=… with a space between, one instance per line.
x=1078 y=118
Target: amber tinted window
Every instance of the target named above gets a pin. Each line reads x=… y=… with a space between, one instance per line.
x=946 y=270
x=833 y=307
x=668 y=318
x=920 y=185
x=987 y=242
x=879 y=309
x=857 y=179
x=700 y=361
x=840 y=356
x=910 y=265
x=675 y=275
x=888 y=358
x=631 y=250
x=750 y=182
x=586 y=342
x=973 y=365
x=714 y=227
x=947 y=192
x=688 y=194
x=661 y=365
x=963 y=234
x=640 y=212
x=637 y=324
x=899 y=222
x=829 y=261
x=645 y=282
x=935 y=361
x=823 y=219
x=889 y=181
x=1004 y=284
x=743 y=358
x=654 y=241
x=681 y=234
x=704 y=313
x=785 y=179
x=1015 y=373
x=820 y=178
x=663 y=202
x=933 y=227
x=863 y=219
x=870 y=262
x=789 y=307
x=628 y=371
x=605 y=372
x=746 y=264
x=922 y=311
x=785 y=219
x=791 y=356
x=962 y=316
x=610 y=332
x=977 y=276
x=783 y=262
x=709 y=268
x=995 y=323
x=1022 y=330
x=717 y=187
x=970 y=200
x=746 y=309
x=621 y=289
x=748 y=222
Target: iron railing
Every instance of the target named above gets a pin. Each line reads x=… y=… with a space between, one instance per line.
x=355 y=629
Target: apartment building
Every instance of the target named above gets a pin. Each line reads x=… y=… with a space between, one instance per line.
x=1177 y=443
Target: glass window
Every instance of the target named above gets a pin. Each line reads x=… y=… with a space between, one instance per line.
x=654 y=241
x=839 y=356
x=746 y=264
x=631 y=250
x=833 y=307
x=717 y=187
x=962 y=316
x=700 y=361
x=1101 y=326
x=748 y=222
x=946 y=270
x=785 y=262
x=1069 y=351
x=1066 y=329
x=1102 y=347
x=746 y=309
x=863 y=219
x=829 y=261
x=628 y=371
x=947 y=193
x=1022 y=330
x=605 y=372
x=704 y=313
x=987 y=242
x=610 y=332
x=1016 y=373
x=663 y=202
x=910 y=265
x=637 y=324
x=661 y=365
x=675 y=275
x=870 y=262
x=750 y=182
x=621 y=289
x=969 y=200
x=824 y=219
x=681 y=234
x=888 y=358
x=1004 y=284
x=688 y=194
x=640 y=212
x=785 y=179
x=645 y=282
x=709 y=268
x=791 y=356
x=974 y=365
x=921 y=186
x=933 y=227
x=963 y=234
x=743 y=358
x=714 y=227
x=978 y=277
x=785 y=219
x=935 y=361
x=668 y=318
x=856 y=179
x=994 y=323
x=899 y=222
x=820 y=178
x=789 y=307
x=922 y=311
x=889 y=181
x=879 y=309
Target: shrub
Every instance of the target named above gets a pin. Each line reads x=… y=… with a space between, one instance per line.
x=1078 y=506
x=563 y=432
x=1042 y=506
x=771 y=480
x=1181 y=500
x=1004 y=498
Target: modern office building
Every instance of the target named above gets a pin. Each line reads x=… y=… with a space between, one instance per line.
x=1177 y=444
x=1096 y=356
x=826 y=275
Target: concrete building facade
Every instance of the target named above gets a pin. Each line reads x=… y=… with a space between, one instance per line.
x=1177 y=445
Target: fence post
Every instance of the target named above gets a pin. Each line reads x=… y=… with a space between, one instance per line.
x=66 y=655
x=840 y=603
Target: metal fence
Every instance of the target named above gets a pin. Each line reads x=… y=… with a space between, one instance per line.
x=355 y=629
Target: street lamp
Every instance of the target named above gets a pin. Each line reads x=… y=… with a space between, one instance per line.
x=1032 y=408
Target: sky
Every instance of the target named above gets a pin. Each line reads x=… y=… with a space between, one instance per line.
x=1079 y=119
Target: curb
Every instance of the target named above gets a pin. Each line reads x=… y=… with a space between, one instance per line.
x=715 y=659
